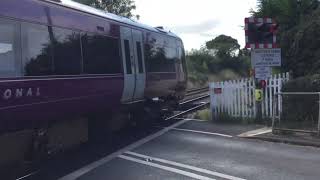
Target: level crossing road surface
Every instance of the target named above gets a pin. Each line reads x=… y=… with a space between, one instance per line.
x=192 y=149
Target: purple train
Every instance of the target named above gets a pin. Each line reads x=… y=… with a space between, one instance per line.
x=61 y=62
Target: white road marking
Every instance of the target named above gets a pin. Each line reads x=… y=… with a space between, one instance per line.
x=217 y=174
x=199 y=120
x=26 y=176
x=195 y=131
x=256 y=132
x=170 y=169
x=202 y=132
x=75 y=175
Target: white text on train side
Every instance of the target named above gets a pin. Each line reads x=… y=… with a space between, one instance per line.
x=20 y=92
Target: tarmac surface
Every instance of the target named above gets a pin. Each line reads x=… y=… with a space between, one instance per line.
x=201 y=150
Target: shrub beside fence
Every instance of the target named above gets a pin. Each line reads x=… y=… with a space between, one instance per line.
x=300 y=111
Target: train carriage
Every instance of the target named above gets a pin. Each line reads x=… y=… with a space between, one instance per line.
x=62 y=59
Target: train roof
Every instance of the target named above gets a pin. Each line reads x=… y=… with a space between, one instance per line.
x=104 y=14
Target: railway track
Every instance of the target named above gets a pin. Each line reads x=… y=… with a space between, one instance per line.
x=197 y=107
x=192 y=92
x=195 y=95
x=193 y=103
x=194 y=99
x=197 y=89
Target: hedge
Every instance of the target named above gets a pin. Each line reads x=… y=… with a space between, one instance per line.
x=301 y=111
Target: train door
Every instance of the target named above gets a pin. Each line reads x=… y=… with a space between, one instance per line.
x=140 y=73
x=128 y=64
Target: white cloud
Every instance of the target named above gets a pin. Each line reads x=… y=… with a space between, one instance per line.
x=197 y=21
x=201 y=27
x=5 y=48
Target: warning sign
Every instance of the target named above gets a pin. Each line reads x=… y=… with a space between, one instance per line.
x=266 y=57
x=259 y=95
x=263 y=72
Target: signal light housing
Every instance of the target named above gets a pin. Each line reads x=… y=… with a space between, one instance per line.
x=261 y=33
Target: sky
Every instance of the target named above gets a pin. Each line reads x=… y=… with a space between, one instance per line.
x=197 y=21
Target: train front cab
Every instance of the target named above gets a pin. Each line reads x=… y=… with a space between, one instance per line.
x=154 y=71
x=153 y=65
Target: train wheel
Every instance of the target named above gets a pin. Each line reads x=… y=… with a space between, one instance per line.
x=141 y=119
x=98 y=127
x=103 y=125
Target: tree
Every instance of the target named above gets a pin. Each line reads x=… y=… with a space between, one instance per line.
x=223 y=46
x=297 y=33
x=218 y=61
x=120 y=7
x=197 y=65
x=286 y=12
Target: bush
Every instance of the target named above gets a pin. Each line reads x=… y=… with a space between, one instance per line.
x=301 y=111
x=203 y=63
x=303 y=84
x=204 y=115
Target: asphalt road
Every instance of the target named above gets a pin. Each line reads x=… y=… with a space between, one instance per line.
x=201 y=150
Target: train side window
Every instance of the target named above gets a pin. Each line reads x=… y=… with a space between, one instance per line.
x=67 y=52
x=9 y=50
x=160 y=58
x=139 y=53
x=148 y=54
x=171 y=58
x=100 y=54
x=127 y=56
x=183 y=59
x=37 y=57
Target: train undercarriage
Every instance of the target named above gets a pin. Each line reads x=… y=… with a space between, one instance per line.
x=36 y=145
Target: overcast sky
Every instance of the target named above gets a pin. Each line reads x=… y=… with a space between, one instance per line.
x=197 y=21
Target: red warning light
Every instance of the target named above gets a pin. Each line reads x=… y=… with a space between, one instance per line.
x=217 y=90
x=263 y=83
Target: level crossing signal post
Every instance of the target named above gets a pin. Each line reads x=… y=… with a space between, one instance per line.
x=262 y=40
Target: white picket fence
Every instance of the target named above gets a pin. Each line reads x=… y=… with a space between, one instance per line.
x=236 y=98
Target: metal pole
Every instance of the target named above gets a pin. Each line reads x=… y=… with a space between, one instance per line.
x=279 y=110
x=319 y=116
x=273 y=112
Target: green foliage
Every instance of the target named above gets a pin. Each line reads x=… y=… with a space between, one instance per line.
x=221 y=56
x=286 y=12
x=298 y=33
x=197 y=65
x=301 y=110
x=204 y=115
x=120 y=7
x=302 y=46
x=223 y=45
x=303 y=84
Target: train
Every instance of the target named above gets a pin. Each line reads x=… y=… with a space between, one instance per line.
x=69 y=72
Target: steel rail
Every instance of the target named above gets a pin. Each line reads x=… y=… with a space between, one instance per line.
x=198 y=89
x=28 y=175
x=195 y=99
x=188 y=111
x=197 y=92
